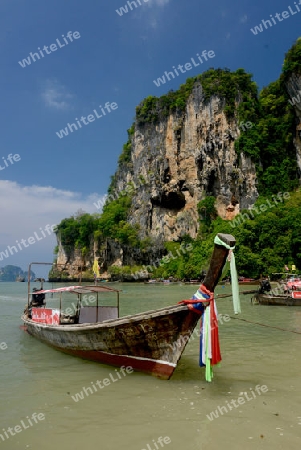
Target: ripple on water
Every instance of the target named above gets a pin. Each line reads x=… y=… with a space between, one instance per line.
x=137 y=409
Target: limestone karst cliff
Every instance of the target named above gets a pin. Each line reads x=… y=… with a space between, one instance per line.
x=293 y=86
x=215 y=136
x=183 y=158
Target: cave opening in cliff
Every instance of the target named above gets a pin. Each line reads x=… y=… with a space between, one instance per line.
x=171 y=200
x=166 y=176
x=212 y=183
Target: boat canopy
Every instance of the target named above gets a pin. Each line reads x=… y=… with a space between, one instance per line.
x=79 y=289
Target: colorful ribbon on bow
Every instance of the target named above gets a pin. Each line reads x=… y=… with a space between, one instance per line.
x=234 y=278
x=203 y=303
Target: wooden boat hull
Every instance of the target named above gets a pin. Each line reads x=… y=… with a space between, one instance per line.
x=151 y=342
x=276 y=300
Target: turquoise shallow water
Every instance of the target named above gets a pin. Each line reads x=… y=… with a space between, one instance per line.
x=134 y=411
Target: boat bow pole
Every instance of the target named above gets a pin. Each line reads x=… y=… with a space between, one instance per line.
x=203 y=301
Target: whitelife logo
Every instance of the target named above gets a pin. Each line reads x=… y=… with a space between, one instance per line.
x=124 y=9
x=188 y=66
x=3 y=346
x=106 y=382
x=109 y=106
x=295 y=100
x=129 y=189
x=31 y=240
x=285 y=15
x=161 y=262
x=53 y=48
x=241 y=401
x=24 y=425
x=262 y=208
x=11 y=158
x=161 y=440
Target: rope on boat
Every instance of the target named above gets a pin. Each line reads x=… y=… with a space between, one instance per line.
x=203 y=303
x=264 y=325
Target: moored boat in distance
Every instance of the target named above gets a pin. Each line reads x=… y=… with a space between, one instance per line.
x=244 y=280
x=278 y=300
x=294 y=283
x=20 y=279
x=151 y=342
x=265 y=296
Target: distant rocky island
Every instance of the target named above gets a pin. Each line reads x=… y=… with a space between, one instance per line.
x=14 y=273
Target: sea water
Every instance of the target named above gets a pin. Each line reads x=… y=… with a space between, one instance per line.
x=132 y=410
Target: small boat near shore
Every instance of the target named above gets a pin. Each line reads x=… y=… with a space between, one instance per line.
x=251 y=281
x=163 y=281
x=151 y=342
x=20 y=279
x=265 y=296
x=294 y=284
x=293 y=299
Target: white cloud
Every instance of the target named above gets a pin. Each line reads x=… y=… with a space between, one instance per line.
x=243 y=19
x=153 y=23
x=26 y=209
x=153 y=13
x=55 y=95
x=159 y=2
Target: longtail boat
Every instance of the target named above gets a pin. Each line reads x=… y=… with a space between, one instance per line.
x=266 y=296
x=151 y=342
x=292 y=299
x=294 y=284
x=247 y=281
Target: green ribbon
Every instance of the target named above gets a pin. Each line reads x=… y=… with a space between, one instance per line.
x=234 y=279
x=208 y=370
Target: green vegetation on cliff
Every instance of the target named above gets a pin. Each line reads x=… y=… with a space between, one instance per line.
x=292 y=62
x=79 y=231
x=232 y=86
x=269 y=142
x=266 y=242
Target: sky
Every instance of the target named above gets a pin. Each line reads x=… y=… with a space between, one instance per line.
x=97 y=55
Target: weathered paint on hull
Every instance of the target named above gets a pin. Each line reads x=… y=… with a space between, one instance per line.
x=160 y=369
x=152 y=342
